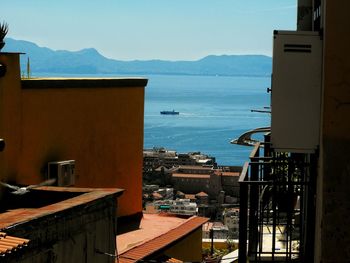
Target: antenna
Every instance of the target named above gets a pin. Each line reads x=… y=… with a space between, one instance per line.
x=28 y=68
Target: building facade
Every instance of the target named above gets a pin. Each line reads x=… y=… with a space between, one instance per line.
x=60 y=225
x=316 y=177
x=193 y=179
x=96 y=122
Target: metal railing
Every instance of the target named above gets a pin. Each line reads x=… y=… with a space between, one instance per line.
x=276 y=196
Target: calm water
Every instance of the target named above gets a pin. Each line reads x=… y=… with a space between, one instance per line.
x=213 y=111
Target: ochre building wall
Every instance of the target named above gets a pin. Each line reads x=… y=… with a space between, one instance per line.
x=188 y=249
x=96 y=122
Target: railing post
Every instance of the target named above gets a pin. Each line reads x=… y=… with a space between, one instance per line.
x=253 y=204
x=243 y=215
x=267 y=153
x=309 y=214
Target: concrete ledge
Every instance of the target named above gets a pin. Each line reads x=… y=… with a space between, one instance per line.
x=71 y=230
x=83 y=198
x=53 y=83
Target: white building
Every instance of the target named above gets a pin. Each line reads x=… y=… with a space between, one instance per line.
x=183 y=207
x=178 y=206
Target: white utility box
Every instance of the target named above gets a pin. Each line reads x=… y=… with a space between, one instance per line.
x=296 y=91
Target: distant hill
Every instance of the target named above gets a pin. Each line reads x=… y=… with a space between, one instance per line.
x=90 y=61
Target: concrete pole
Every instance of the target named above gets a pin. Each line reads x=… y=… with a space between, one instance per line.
x=211 y=235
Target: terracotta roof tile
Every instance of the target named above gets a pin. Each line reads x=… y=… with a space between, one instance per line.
x=195 y=176
x=9 y=244
x=157 y=195
x=160 y=242
x=195 y=167
x=230 y=174
x=202 y=194
x=174 y=260
x=189 y=196
x=151 y=226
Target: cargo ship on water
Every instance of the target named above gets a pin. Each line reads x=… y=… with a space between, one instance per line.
x=168 y=112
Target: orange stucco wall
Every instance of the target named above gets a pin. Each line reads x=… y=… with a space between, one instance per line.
x=10 y=112
x=100 y=127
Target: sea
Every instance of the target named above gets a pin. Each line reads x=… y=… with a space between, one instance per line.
x=213 y=111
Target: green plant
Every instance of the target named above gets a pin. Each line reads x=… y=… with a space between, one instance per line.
x=4 y=28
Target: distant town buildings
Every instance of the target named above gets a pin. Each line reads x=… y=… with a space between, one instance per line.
x=178 y=206
x=157 y=157
x=220 y=231
x=210 y=180
x=231 y=220
x=192 y=184
x=198 y=190
x=191 y=173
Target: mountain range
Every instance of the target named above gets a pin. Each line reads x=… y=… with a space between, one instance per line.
x=90 y=61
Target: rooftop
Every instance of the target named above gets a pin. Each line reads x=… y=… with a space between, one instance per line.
x=48 y=200
x=190 y=196
x=155 y=232
x=195 y=167
x=43 y=83
x=203 y=194
x=195 y=176
x=230 y=174
x=157 y=195
x=9 y=244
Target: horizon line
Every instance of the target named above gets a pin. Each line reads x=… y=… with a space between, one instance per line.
x=141 y=60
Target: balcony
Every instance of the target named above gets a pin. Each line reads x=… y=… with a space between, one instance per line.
x=277 y=209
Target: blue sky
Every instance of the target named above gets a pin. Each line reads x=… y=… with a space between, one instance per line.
x=151 y=29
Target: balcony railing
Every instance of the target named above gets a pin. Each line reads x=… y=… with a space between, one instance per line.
x=276 y=207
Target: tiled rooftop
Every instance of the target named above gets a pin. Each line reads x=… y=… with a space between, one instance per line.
x=10 y=244
x=157 y=195
x=195 y=167
x=174 y=260
x=150 y=227
x=230 y=174
x=195 y=176
x=202 y=194
x=156 y=232
x=190 y=196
